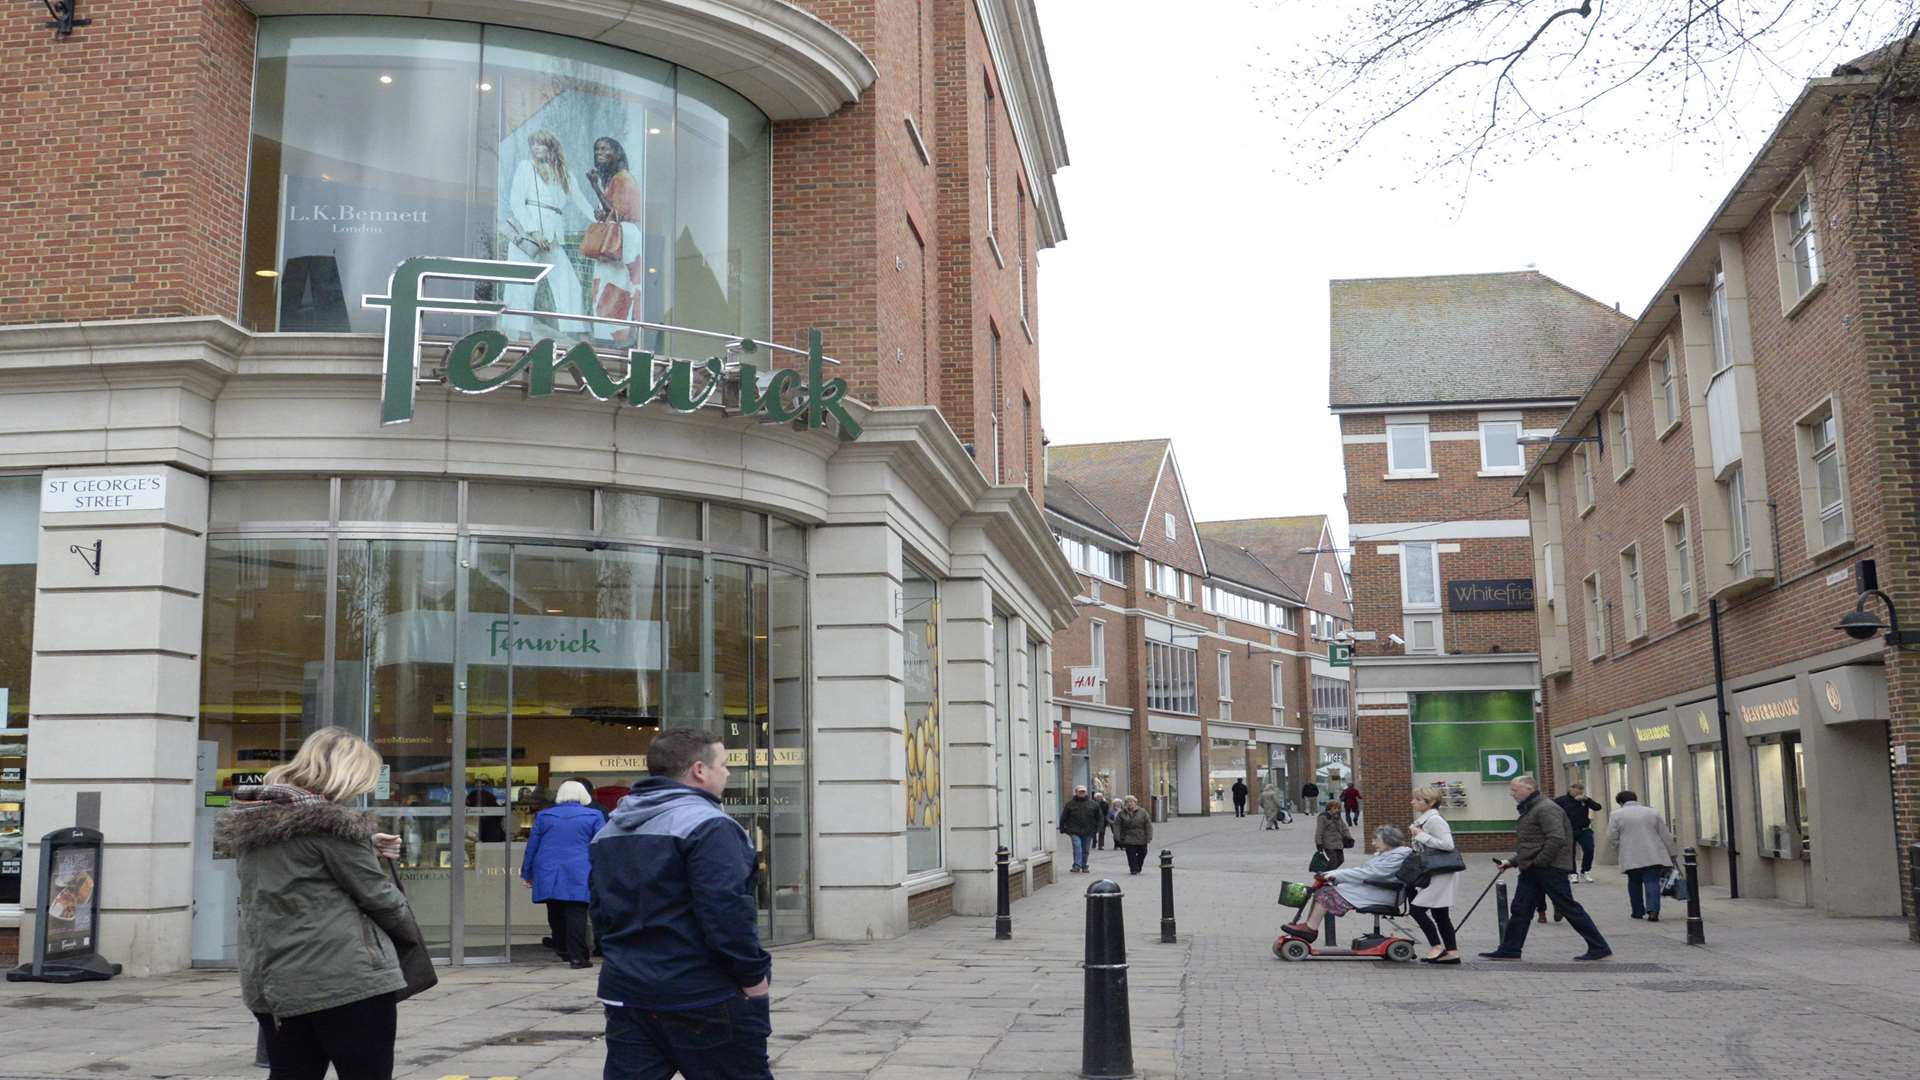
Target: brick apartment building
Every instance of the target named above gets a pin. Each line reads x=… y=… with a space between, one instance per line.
x=861 y=593
x=1755 y=449
x=1195 y=650
x=1435 y=379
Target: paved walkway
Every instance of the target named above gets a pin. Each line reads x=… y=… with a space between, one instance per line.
x=1776 y=993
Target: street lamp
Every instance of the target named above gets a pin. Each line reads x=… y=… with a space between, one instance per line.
x=1861 y=624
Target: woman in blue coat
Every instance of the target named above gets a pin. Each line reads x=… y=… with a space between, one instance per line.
x=555 y=867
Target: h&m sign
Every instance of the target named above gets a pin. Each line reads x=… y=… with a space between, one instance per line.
x=485 y=360
x=1500 y=594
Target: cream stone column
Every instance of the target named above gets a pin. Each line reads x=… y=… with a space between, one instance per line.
x=116 y=690
x=966 y=608
x=859 y=734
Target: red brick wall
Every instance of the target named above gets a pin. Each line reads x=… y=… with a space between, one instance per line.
x=1459 y=494
x=1797 y=362
x=1183 y=551
x=977 y=295
x=125 y=173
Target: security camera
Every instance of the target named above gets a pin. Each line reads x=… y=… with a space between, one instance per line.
x=1396 y=639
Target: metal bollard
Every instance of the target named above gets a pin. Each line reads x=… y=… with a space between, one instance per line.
x=1696 y=929
x=1913 y=861
x=1106 y=1030
x=1166 y=897
x=1003 y=914
x=1500 y=904
x=1329 y=936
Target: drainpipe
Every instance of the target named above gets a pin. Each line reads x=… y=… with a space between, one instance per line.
x=1726 y=749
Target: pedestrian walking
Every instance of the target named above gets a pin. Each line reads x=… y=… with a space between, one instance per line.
x=1350 y=798
x=1331 y=837
x=555 y=866
x=1432 y=906
x=684 y=981
x=1543 y=853
x=1133 y=830
x=1271 y=803
x=1647 y=849
x=1579 y=810
x=321 y=923
x=1371 y=884
x=1240 y=791
x=1080 y=819
x=1106 y=818
x=1309 y=797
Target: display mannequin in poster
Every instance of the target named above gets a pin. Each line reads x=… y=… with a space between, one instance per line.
x=618 y=255
x=541 y=198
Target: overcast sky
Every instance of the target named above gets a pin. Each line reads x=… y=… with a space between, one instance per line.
x=1190 y=298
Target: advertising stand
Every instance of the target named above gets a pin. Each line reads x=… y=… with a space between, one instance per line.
x=66 y=936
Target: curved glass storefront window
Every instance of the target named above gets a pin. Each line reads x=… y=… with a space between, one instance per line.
x=490 y=663
x=643 y=185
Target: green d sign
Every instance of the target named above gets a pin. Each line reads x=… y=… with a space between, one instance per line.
x=480 y=362
x=1500 y=764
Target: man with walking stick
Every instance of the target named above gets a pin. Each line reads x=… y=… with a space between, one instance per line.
x=1543 y=853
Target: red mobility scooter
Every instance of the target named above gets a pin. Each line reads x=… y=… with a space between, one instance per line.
x=1374 y=945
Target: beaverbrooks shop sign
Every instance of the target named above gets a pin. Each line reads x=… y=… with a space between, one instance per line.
x=484 y=360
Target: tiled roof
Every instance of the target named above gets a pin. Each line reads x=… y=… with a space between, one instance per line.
x=1275 y=542
x=1117 y=477
x=1065 y=499
x=1518 y=336
x=1229 y=562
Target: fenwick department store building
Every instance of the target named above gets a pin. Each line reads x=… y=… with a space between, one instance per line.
x=514 y=397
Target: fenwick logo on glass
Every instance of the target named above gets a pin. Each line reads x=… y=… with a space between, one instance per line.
x=485 y=360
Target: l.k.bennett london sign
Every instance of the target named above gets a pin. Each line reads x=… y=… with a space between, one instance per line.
x=485 y=360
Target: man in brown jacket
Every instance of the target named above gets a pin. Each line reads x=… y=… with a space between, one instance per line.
x=1543 y=853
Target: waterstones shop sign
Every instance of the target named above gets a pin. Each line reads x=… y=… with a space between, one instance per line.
x=485 y=360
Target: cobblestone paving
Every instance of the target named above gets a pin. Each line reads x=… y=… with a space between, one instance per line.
x=1777 y=993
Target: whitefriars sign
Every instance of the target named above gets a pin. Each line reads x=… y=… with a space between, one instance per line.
x=484 y=360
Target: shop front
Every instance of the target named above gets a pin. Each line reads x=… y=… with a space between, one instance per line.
x=1471 y=745
x=500 y=469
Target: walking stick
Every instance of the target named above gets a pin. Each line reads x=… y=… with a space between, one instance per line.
x=1483 y=895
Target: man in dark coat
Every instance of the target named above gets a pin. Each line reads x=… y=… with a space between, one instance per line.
x=1309 y=797
x=673 y=879
x=1106 y=818
x=1579 y=809
x=1239 y=798
x=1080 y=819
x=1543 y=853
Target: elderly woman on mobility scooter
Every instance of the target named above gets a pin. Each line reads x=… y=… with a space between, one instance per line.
x=1371 y=884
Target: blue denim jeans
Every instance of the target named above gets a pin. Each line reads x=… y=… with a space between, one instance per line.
x=1080 y=845
x=727 y=1041
x=1643 y=889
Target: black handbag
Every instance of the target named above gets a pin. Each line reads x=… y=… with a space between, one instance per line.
x=416 y=965
x=1320 y=863
x=1347 y=843
x=1442 y=862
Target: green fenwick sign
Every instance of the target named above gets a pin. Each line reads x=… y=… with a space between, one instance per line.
x=484 y=360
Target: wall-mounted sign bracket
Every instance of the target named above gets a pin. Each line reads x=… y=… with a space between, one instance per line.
x=93 y=564
x=63 y=12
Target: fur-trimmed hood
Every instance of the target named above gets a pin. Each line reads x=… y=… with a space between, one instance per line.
x=255 y=825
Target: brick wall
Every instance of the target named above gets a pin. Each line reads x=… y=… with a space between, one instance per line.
x=124 y=178
x=1459 y=494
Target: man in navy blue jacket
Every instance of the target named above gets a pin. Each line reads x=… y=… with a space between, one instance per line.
x=685 y=980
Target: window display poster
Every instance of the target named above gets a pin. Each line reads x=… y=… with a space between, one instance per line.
x=1463 y=743
x=340 y=242
x=70 y=905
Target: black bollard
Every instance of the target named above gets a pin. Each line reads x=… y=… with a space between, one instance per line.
x=1106 y=1030
x=1500 y=904
x=1166 y=897
x=1913 y=861
x=1003 y=915
x=1696 y=929
x=1329 y=935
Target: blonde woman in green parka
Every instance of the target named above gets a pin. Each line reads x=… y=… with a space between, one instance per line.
x=318 y=917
